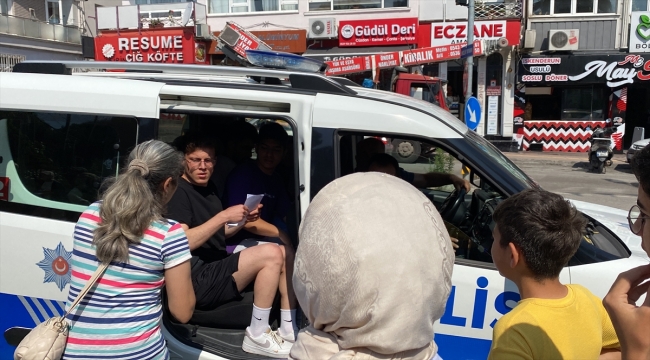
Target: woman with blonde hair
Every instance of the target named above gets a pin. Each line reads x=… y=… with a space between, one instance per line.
x=372 y=271
x=120 y=316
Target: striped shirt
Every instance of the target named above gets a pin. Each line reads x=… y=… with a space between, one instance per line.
x=120 y=317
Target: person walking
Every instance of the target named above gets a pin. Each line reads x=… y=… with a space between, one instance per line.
x=120 y=316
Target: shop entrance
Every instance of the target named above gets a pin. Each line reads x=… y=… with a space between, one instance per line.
x=638 y=113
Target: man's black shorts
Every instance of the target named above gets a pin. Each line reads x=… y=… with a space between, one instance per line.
x=213 y=282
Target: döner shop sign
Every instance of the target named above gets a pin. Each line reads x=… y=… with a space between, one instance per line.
x=612 y=70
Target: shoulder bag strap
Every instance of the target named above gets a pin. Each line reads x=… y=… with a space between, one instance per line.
x=100 y=270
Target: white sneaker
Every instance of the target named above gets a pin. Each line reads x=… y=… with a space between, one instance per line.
x=268 y=344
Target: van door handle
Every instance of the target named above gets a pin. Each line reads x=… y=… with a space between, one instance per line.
x=302 y=187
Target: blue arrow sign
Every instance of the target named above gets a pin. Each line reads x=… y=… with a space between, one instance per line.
x=472 y=113
x=467 y=51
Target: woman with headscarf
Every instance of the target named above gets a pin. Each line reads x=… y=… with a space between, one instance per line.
x=372 y=271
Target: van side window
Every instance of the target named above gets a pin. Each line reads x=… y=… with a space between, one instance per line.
x=60 y=160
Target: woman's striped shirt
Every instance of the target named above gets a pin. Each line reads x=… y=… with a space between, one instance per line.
x=120 y=316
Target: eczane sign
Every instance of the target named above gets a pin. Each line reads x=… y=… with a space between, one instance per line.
x=455 y=32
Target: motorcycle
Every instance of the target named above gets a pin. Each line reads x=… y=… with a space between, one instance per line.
x=601 y=152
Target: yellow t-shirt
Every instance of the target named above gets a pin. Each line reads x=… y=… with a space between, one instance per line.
x=575 y=327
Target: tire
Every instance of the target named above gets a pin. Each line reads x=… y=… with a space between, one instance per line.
x=601 y=168
x=406 y=151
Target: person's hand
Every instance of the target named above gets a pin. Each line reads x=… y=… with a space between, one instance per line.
x=255 y=214
x=460 y=183
x=454 y=243
x=631 y=322
x=235 y=214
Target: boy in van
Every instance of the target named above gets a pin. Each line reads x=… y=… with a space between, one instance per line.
x=536 y=234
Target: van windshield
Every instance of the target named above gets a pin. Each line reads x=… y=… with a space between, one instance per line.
x=490 y=150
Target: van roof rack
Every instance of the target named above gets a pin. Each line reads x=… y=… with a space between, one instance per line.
x=299 y=80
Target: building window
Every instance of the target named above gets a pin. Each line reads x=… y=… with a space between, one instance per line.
x=246 y=6
x=639 y=5
x=577 y=7
x=53 y=11
x=584 y=103
x=325 y=5
x=146 y=2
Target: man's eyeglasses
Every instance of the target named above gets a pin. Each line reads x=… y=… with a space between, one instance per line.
x=196 y=162
x=636 y=219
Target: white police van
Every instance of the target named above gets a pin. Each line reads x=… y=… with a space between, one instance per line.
x=62 y=132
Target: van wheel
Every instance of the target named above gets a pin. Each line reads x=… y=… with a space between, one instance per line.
x=406 y=151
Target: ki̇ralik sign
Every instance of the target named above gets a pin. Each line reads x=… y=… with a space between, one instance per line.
x=378 y=32
x=159 y=46
x=614 y=70
x=640 y=32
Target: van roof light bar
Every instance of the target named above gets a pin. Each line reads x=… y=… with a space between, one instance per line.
x=316 y=82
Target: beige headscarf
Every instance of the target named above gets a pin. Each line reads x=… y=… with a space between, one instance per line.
x=372 y=271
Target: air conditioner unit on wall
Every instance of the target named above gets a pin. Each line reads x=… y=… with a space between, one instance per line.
x=563 y=40
x=202 y=31
x=322 y=28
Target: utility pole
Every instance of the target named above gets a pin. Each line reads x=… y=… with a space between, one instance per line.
x=470 y=42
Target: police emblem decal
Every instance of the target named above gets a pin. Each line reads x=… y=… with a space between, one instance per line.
x=56 y=265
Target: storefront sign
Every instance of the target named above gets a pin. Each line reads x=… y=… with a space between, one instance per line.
x=640 y=32
x=378 y=32
x=492 y=115
x=162 y=46
x=387 y=60
x=244 y=43
x=612 y=70
x=456 y=32
x=429 y=55
x=493 y=90
x=349 y=66
x=292 y=41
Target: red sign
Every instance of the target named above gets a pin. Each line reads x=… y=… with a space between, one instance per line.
x=160 y=46
x=429 y=55
x=4 y=188
x=244 y=43
x=378 y=32
x=349 y=66
x=387 y=60
x=456 y=32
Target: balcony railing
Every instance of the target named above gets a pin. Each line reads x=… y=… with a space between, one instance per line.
x=507 y=10
x=40 y=30
x=141 y=16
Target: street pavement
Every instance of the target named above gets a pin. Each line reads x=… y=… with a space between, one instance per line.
x=567 y=174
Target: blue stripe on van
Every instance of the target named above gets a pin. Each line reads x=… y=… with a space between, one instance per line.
x=462 y=348
x=13 y=314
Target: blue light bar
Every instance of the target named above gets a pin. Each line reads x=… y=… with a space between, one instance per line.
x=282 y=60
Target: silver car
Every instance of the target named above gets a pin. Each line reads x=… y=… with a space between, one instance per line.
x=636 y=147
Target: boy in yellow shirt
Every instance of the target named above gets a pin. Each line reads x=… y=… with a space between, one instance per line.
x=536 y=234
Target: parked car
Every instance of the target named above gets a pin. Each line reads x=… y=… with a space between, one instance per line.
x=638 y=145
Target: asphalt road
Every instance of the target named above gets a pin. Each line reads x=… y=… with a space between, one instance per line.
x=567 y=175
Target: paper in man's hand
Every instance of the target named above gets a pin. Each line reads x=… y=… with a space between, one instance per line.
x=252 y=201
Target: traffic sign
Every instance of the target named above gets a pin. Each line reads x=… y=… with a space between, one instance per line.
x=472 y=113
x=467 y=51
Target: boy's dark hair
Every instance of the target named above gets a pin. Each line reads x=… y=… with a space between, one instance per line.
x=641 y=168
x=545 y=226
x=273 y=131
x=384 y=160
x=188 y=143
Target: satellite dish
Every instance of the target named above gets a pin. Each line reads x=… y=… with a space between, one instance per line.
x=187 y=13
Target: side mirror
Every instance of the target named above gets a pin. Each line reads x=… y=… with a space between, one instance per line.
x=475 y=179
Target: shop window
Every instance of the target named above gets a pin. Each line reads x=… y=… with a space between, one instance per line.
x=583 y=104
x=246 y=6
x=579 y=7
x=320 y=5
x=65 y=157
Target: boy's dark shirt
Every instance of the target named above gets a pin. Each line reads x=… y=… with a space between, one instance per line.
x=249 y=179
x=193 y=206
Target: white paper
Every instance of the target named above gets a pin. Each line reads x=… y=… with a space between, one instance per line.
x=251 y=203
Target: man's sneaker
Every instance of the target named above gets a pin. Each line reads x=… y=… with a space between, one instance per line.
x=268 y=344
x=289 y=340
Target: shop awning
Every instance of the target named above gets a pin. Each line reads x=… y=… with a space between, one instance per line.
x=335 y=53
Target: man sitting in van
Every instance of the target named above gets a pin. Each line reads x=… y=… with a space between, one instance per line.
x=367 y=147
x=219 y=277
x=260 y=177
